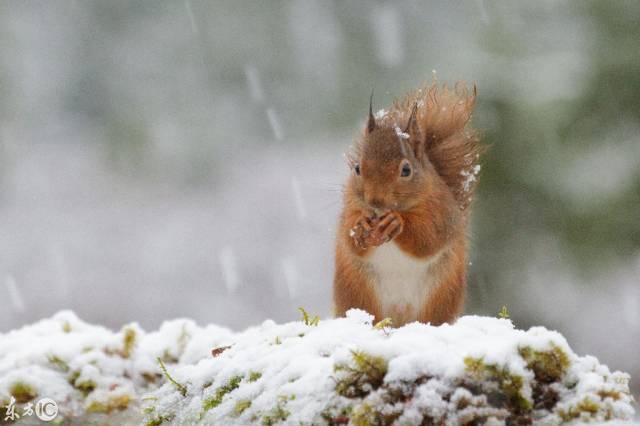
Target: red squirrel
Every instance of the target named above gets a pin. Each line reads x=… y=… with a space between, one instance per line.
x=402 y=239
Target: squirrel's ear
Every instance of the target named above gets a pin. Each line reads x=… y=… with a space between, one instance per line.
x=413 y=130
x=371 y=124
x=412 y=125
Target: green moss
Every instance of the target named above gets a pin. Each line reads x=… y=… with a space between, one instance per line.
x=4 y=403
x=73 y=376
x=241 y=406
x=384 y=323
x=112 y=403
x=150 y=377
x=337 y=415
x=168 y=358
x=366 y=415
x=474 y=366
x=504 y=313
x=129 y=341
x=363 y=415
x=157 y=421
x=547 y=366
x=23 y=392
x=220 y=393
x=85 y=386
x=254 y=376
x=615 y=395
x=59 y=363
x=510 y=385
x=181 y=388
x=279 y=413
x=307 y=319
x=364 y=374
x=275 y=416
x=586 y=407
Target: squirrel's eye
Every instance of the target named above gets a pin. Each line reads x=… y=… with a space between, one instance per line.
x=356 y=169
x=406 y=170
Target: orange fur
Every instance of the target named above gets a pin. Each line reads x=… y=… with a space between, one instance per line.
x=424 y=214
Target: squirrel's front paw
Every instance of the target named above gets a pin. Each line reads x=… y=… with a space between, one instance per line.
x=390 y=226
x=364 y=232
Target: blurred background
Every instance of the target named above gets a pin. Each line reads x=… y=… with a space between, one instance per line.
x=161 y=159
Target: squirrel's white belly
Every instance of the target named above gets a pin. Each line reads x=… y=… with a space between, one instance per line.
x=402 y=282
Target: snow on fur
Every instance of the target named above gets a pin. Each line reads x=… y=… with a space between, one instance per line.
x=337 y=371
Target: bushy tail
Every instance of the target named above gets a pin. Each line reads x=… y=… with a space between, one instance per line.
x=452 y=147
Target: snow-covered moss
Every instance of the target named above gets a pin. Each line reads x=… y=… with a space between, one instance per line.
x=23 y=392
x=346 y=371
x=214 y=400
x=330 y=372
x=94 y=374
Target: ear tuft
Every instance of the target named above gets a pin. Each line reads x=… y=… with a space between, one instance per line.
x=371 y=123
x=415 y=135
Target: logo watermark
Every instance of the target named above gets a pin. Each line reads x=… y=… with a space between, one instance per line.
x=45 y=409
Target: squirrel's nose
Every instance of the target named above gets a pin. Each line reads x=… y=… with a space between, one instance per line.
x=376 y=203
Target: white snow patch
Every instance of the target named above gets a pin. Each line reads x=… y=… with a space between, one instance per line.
x=84 y=367
x=400 y=133
x=380 y=114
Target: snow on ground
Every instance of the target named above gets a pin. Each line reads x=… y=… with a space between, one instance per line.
x=334 y=371
x=92 y=372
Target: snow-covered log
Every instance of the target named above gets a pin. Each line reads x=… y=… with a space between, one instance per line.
x=480 y=370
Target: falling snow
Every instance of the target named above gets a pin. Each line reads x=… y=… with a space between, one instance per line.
x=301 y=209
x=470 y=177
x=386 y=23
x=274 y=122
x=484 y=15
x=254 y=83
x=14 y=294
x=192 y=19
x=229 y=268
x=290 y=276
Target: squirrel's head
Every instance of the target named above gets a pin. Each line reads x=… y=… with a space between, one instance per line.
x=389 y=167
x=420 y=149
